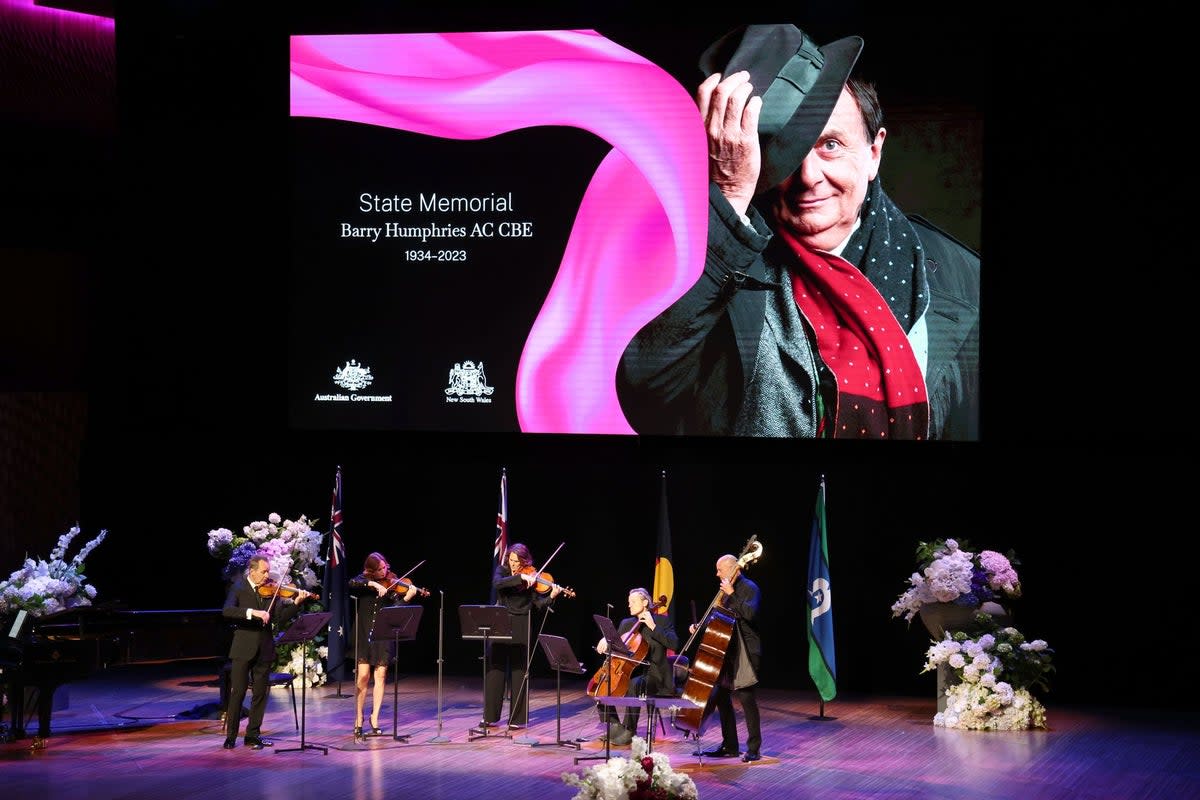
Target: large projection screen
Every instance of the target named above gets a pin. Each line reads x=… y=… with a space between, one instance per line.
x=483 y=220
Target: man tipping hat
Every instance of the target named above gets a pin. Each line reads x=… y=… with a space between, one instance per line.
x=823 y=310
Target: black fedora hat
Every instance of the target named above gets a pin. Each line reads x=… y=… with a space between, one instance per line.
x=799 y=83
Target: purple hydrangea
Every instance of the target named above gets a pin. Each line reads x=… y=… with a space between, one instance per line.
x=239 y=560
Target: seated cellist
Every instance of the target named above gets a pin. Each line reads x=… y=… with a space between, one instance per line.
x=641 y=631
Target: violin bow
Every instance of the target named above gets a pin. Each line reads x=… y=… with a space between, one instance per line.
x=551 y=558
x=278 y=586
x=405 y=575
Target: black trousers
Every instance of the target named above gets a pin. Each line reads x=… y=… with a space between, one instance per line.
x=506 y=667
x=253 y=672
x=748 y=699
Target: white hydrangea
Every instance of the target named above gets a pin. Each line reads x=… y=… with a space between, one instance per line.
x=47 y=587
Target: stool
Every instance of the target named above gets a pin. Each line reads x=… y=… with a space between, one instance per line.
x=286 y=679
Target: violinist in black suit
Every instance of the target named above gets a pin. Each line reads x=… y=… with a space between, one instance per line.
x=252 y=650
x=656 y=677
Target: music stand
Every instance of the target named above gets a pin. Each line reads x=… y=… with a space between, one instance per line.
x=562 y=659
x=616 y=648
x=486 y=623
x=398 y=623
x=302 y=630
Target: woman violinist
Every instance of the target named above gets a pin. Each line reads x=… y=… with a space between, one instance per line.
x=376 y=587
x=520 y=588
x=649 y=636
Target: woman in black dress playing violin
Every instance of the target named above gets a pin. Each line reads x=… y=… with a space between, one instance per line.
x=376 y=587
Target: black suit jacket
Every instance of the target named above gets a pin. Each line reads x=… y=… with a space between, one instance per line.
x=250 y=635
x=742 y=605
x=658 y=642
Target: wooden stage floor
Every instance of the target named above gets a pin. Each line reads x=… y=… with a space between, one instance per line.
x=148 y=731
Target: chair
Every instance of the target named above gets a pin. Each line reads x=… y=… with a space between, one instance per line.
x=679 y=669
x=286 y=679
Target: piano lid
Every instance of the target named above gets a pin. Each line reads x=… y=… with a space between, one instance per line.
x=138 y=635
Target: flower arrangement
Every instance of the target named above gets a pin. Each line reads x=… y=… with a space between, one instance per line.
x=950 y=572
x=45 y=587
x=308 y=667
x=642 y=776
x=994 y=670
x=293 y=548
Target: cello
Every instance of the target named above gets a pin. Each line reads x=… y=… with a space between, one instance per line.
x=613 y=677
x=708 y=666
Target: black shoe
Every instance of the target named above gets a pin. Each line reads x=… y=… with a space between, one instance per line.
x=622 y=738
x=230 y=744
x=483 y=723
x=751 y=756
x=258 y=743
x=720 y=752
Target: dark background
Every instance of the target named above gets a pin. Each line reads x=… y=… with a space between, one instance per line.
x=144 y=250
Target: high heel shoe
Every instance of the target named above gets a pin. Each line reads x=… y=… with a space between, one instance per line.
x=358 y=734
x=376 y=730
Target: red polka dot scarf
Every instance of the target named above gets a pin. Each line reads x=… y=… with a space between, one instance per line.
x=881 y=390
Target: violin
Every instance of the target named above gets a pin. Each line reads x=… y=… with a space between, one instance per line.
x=543 y=582
x=401 y=586
x=271 y=588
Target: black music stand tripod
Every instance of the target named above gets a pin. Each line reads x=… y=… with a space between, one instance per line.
x=489 y=624
x=562 y=659
x=302 y=630
x=398 y=623
x=615 y=648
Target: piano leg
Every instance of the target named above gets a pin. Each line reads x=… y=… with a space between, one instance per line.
x=44 y=698
x=15 y=694
x=45 y=705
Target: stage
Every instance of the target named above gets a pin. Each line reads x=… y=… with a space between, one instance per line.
x=151 y=730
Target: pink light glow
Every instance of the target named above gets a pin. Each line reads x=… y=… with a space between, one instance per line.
x=76 y=20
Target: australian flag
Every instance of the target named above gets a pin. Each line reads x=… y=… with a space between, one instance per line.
x=334 y=589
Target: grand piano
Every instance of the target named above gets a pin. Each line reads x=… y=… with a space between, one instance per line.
x=40 y=654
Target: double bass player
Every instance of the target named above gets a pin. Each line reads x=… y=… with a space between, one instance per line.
x=653 y=634
x=738 y=598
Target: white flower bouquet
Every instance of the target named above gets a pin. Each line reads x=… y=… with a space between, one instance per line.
x=994 y=672
x=46 y=587
x=642 y=776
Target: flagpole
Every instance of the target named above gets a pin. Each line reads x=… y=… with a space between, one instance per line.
x=821 y=661
x=334 y=586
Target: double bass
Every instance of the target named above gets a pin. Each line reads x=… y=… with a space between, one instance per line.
x=708 y=666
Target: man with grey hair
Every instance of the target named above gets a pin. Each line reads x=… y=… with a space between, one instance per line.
x=655 y=633
x=252 y=651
